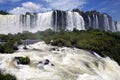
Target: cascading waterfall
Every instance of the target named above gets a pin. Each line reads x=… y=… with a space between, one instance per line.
x=113 y=26
x=89 y=21
x=74 y=20
x=55 y=20
x=10 y=24
x=62 y=64
x=106 y=22
x=44 y=21
x=94 y=21
x=62 y=19
x=118 y=26
x=28 y=22
x=97 y=22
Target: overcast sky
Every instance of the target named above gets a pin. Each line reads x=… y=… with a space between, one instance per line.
x=112 y=7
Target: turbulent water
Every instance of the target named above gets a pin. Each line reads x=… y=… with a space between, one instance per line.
x=55 y=20
x=65 y=64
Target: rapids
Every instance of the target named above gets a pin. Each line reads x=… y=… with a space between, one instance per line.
x=64 y=64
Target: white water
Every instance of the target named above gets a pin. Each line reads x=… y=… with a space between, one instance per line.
x=62 y=19
x=94 y=21
x=89 y=21
x=56 y=21
x=70 y=64
x=75 y=20
x=9 y=24
x=44 y=21
x=106 y=22
x=97 y=22
x=118 y=26
x=18 y=23
x=113 y=26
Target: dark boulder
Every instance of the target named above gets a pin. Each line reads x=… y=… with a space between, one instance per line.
x=46 y=62
x=25 y=48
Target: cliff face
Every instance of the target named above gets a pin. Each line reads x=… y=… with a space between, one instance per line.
x=57 y=20
x=96 y=20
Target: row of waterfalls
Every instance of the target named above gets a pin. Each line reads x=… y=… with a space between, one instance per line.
x=55 y=20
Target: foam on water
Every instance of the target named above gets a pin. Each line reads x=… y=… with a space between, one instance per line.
x=69 y=64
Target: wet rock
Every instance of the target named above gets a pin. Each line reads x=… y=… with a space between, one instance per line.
x=54 y=49
x=46 y=62
x=52 y=65
x=15 y=48
x=25 y=48
x=87 y=64
x=40 y=62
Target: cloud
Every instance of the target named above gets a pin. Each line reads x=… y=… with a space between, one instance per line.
x=65 y=4
x=50 y=5
x=29 y=7
x=103 y=9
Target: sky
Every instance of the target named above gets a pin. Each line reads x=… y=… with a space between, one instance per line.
x=112 y=7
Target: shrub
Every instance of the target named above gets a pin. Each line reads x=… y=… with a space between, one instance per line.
x=23 y=60
x=7 y=77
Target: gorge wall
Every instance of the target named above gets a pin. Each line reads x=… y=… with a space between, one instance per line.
x=56 y=20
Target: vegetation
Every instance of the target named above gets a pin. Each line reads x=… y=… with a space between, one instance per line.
x=23 y=60
x=105 y=43
x=3 y=12
x=102 y=42
x=7 y=77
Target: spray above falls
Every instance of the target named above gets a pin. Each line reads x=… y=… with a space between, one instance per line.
x=57 y=21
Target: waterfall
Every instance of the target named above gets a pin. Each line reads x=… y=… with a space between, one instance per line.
x=89 y=21
x=118 y=26
x=62 y=19
x=10 y=24
x=56 y=21
x=44 y=21
x=113 y=26
x=67 y=64
x=94 y=21
x=106 y=22
x=75 y=20
x=97 y=22
x=27 y=22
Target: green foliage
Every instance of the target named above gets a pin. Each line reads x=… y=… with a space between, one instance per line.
x=105 y=43
x=102 y=42
x=7 y=77
x=3 y=12
x=24 y=60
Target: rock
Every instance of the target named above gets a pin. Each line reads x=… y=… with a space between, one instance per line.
x=40 y=62
x=54 y=49
x=52 y=65
x=25 y=47
x=15 y=48
x=46 y=62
